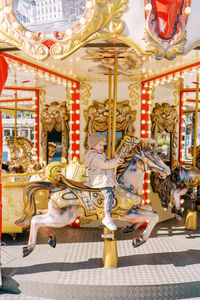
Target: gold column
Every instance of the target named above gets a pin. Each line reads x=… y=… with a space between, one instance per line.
x=109 y=113
x=110 y=255
x=15 y=112
x=196 y=121
x=114 y=104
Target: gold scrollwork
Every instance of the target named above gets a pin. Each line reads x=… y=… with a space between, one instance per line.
x=96 y=117
x=68 y=94
x=85 y=95
x=162 y=48
x=134 y=92
x=151 y=95
x=55 y=116
x=42 y=98
x=105 y=22
x=177 y=86
x=164 y=117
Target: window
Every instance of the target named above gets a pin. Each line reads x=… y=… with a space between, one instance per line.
x=6 y=132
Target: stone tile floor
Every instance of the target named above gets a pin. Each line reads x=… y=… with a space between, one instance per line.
x=167 y=266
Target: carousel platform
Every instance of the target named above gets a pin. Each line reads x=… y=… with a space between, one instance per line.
x=166 y=267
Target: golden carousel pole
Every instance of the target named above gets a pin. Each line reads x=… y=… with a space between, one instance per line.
x=191 y=218
x=110 y=255
x=15 y=142
x=109 y=113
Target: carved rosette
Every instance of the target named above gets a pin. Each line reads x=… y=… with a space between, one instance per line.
x=55 y=115
x=103 y=15
x=156 y=15
x=96 y=117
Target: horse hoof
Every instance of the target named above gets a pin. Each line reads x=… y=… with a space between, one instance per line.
x=138 y=242
x=26 y=251
x=52 y=241
x=128 y=229
x=178 y=217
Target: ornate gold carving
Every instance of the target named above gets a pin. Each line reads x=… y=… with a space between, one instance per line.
x=164 y=118
x=42 y=98
x=162 y=48
x=151 y=95
x=134 y=94
x=128 y=63
x=68 y=90
x=105 y=18
x=75 y=170
x=177 y=87
x=55 y=115
x=85 y=95
x=96 y=117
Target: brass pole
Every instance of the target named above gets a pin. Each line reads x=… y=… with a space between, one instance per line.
x=114 y=104
x=196 y=121
x=109 y=113
x=15 y=112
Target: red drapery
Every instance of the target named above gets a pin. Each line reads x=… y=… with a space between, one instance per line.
x=167 y=12
x=3 y=78
x=1 y=138
x=3 y=72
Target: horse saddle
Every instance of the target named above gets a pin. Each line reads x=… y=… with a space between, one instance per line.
x=76 y=193
x=76 y=184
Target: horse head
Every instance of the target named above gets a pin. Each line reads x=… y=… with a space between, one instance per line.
x=149 y=159
x=142 y=157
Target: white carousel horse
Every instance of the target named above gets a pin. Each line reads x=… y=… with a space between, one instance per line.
x=70 y=199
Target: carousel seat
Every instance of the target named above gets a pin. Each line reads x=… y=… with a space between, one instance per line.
x=76 y=184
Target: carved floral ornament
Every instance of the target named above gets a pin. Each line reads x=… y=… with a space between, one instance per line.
x=164 y=117
x=96 y=117
x=98 y=15
x=55 y=115
x=165 y=30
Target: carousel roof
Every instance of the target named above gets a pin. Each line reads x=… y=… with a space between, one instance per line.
x=149 y=37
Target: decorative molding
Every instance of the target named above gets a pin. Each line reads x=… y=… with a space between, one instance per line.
x=167 y=47
x=134 y=94
x=177 y=87
x=127 y=66
x=85 y=95
x=151 y=95
x=102 y=20
x=42 y=95
x=55 y=115
x=96 y=117
x=68 y=90
x=164 y=118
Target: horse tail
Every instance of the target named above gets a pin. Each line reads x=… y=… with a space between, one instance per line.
x=52 y=169
x=29 y=201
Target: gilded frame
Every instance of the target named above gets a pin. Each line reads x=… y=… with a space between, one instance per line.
x=105 y=22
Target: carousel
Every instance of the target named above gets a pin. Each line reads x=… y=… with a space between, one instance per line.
x=128 y=70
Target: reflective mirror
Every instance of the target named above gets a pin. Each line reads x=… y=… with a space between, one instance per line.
x=48 y=15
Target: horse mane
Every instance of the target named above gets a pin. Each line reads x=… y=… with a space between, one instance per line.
x=179 y=178
x=136 y=148
x=21 y=143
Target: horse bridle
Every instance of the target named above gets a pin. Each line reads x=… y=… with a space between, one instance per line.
x=144 y=160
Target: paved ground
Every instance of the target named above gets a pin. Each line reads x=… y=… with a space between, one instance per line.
x=166 y=267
